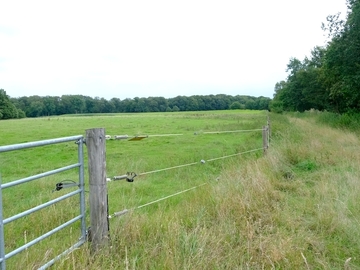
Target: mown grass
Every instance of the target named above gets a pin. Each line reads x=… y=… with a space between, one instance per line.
x=294 y=208
x=122 y=156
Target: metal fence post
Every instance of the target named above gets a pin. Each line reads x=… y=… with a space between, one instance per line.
x=82 y=187
x=99 y=220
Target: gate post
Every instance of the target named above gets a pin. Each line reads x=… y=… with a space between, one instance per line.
x=99 y=220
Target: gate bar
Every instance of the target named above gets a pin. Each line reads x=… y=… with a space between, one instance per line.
x=42 y=237
x=18 y=146
x=41 y=206
x=37 y=176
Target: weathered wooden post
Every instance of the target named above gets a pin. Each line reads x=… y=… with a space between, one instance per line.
x=269 y=130
x=99 y=220
x=265 y=139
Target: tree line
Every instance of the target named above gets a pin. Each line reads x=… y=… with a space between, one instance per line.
x=330 y=78
x=37 y=106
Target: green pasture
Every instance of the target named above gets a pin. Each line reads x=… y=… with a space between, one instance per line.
x=152 y=153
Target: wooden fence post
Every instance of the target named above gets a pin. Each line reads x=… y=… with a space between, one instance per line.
x=265 y=138
x=269 y=130
x=99 y=220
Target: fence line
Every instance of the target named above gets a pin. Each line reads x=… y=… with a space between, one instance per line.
x=125 y=211
x=98 y=200
x=164 y=135
x=126 y=176
x=130 y=175
x=125 y=137
x=166 y=169
x=249 y=151
x=231 y=131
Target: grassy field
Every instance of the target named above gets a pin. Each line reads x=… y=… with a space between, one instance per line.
x=294 y=208
x=152 y=153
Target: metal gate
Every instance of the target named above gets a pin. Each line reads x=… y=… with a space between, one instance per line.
x=79 y=140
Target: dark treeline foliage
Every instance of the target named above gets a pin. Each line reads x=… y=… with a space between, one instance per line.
x=36 y=106
x=7 y=109
x=330 y=78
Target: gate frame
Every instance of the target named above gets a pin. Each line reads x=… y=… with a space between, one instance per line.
x=79 y=140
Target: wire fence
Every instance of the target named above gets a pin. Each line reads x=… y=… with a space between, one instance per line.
x=128 y=175
x=98 y=197
x=134 y=137
x=231 y=131
x=131 y=175
x=125 y=211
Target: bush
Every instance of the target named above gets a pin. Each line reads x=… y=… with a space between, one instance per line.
x=21 y=114
x=236 y=106
x=276 y=106
x=345 y=121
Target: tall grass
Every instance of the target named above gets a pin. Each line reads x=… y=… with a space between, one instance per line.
x=348 y=121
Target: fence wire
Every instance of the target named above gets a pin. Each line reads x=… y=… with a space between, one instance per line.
x=125 y=137
x=125 y=211
x=231 y=131
x=184 y=165
x=126 y=176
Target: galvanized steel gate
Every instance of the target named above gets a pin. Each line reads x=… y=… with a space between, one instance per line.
x=80 y=192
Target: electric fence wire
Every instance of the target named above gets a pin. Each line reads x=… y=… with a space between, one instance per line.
x=184 y=165
x=231 y=131
x=166 y=169
x=237 y=154
x=164 y=135
x=121 y=137
x=125 y=211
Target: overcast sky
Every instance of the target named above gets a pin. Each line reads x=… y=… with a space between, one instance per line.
x=129 y=49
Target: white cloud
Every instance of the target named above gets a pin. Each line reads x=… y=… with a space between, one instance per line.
x=155 y=48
